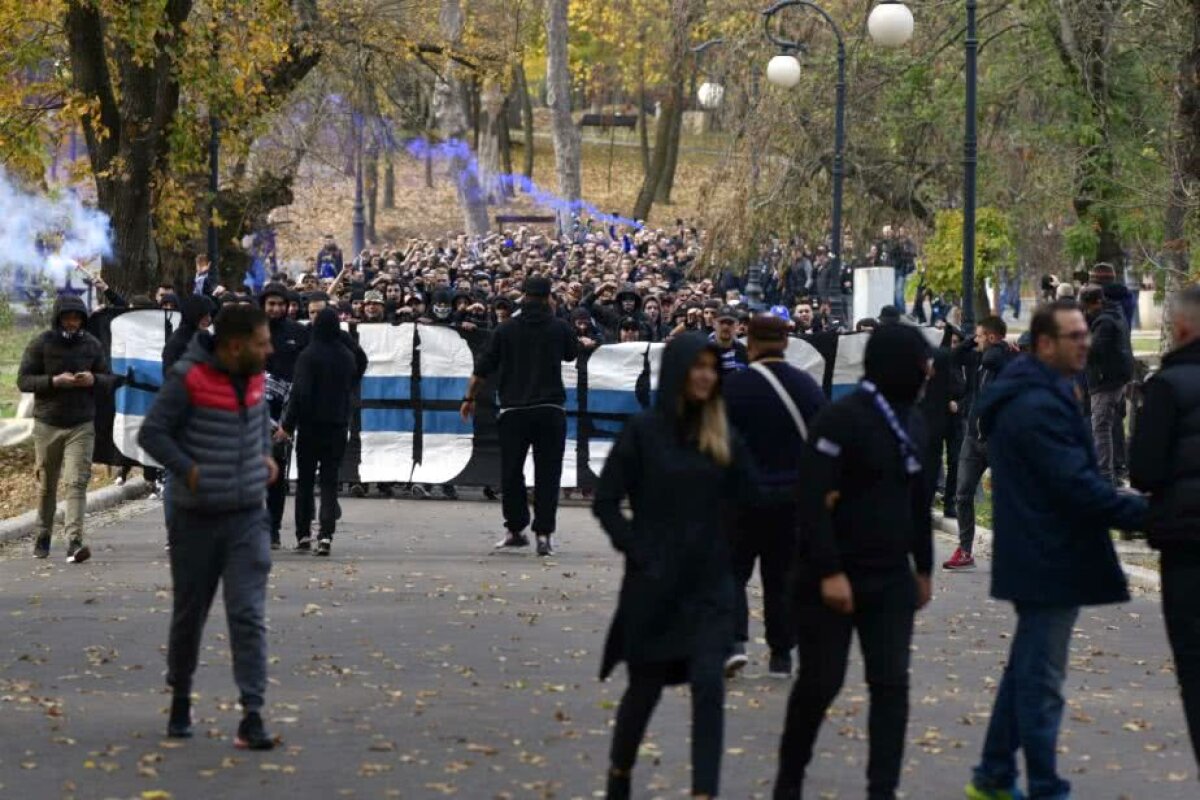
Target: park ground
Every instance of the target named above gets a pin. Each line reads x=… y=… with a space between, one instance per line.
x=416 y=663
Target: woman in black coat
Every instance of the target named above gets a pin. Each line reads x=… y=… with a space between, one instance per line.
x=679 y=465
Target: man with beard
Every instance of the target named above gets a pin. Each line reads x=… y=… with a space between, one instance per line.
x=210 y=427
x=319 y=410
x=527 y=354
x=373 y=307
x=733 y=352
x=288 y=338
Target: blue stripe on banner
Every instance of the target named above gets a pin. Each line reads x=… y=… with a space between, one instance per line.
x=399 y=387
x=613 y=401
x=144 y=370
x=840 y=390
x=133 y=402
x=403 y=420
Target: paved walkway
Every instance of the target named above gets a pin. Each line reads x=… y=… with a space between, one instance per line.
x=416 y=664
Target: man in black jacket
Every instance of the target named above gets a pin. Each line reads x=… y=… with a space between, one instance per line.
x=754 y=401
x=319 y=409
x=982 y=359
x=864 y=525
x=527 y=354
x=197 y=312
x=1165 y=462
x=1109 y=370
x=288 y=338
x=64 y=368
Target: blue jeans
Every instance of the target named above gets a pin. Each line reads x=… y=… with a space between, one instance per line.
x=901 y=279
x=1029 y=705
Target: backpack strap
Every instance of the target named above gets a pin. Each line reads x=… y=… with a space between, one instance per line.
x=784 y=397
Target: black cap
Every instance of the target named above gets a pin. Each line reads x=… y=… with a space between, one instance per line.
x=727 y=312
x=536 y=286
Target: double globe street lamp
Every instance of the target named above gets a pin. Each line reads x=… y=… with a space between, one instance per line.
x=890 y=25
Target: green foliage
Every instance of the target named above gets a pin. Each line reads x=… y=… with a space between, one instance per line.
x=994 y=249
x=1080 y=242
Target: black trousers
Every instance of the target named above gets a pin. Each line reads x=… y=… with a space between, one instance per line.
x=884 y=608
x=945 y=445
x=706 y=674
x=277 y=491
x=545 y=430
x=232 y=549
x=766 y=535
x=319 y=447
x=1181 y=610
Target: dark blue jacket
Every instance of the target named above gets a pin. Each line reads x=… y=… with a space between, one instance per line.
x=1052 y=511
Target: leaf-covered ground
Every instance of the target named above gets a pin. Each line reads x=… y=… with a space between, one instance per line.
x=417 y=664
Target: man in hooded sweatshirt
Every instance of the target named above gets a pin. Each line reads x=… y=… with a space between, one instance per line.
x=863 y=558
x=288 y=338
x=197 y=313
x=64 y=368
x=319 y=413
x=526 y=353
x=1052 y=551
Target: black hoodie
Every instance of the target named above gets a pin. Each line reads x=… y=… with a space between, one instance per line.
x=528 y=352
x=54 y=352
x=879 y=518
x=677 y=596
x=195 y=308
x=325 y=376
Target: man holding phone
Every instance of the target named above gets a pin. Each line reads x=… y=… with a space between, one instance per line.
x=63 y=368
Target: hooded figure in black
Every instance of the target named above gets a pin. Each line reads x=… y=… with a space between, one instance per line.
x=940 y=406
x=864 y=522
x=197 y=314
x=680 y=467
x=288 y=338
x=319 y=412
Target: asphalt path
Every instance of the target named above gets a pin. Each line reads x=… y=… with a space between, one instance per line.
x=417 y=663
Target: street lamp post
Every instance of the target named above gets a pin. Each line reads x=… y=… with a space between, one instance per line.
x=784 y=70
x=214 y=162
x=359 y=220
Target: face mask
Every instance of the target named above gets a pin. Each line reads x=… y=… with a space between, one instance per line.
x=441 y=311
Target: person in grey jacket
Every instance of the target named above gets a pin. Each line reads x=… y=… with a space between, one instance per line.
x=210 y=428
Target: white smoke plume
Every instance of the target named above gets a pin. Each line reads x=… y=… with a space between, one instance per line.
x=50 y=235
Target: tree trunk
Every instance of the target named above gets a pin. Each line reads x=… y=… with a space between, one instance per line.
x=371 y=189
x=389 y=183
x=567 y=148
x=450 y=107
x=658 y=164
x=666 y=181
x=643 y=121
x=1185 y=175
x=521 y=85
x=491 y=121
x=670 y=117
x=504 y=139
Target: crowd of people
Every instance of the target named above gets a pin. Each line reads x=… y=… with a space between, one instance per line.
x=833 y=500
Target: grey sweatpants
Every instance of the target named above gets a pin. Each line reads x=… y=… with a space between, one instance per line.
x=235 y=549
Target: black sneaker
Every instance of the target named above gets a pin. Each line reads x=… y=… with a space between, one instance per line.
x=449 y=492
x=513 y=540
x=77 y=553
x=385 y=490
x=780 y=665
x=358 y=490
x=304 y=545
x=737 y=660
x=620 y=787
x=490 y=493
x=41 y=547
x=251 y=735
x=179 y=726
x=324 y=546
x=275 y=543
x=544 y=548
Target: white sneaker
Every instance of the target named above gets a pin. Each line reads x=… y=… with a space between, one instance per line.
x=120 y=481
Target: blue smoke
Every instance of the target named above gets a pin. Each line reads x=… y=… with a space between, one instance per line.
x=458 y=150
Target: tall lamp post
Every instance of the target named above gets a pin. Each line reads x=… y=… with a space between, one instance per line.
x=359 y=220
x=784 y=70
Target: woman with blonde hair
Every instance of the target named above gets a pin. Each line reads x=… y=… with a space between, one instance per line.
x=679 y=465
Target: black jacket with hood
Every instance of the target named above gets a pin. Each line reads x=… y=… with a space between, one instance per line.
x=54 y=352
x=1110 y=359
x=677 y=596
x=324 y=380
x=527 y=352
x=195 y=308
x=861 y=512
x=979 y=370
x=1164 y=457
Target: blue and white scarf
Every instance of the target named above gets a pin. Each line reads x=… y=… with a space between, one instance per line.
x=912 y=464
